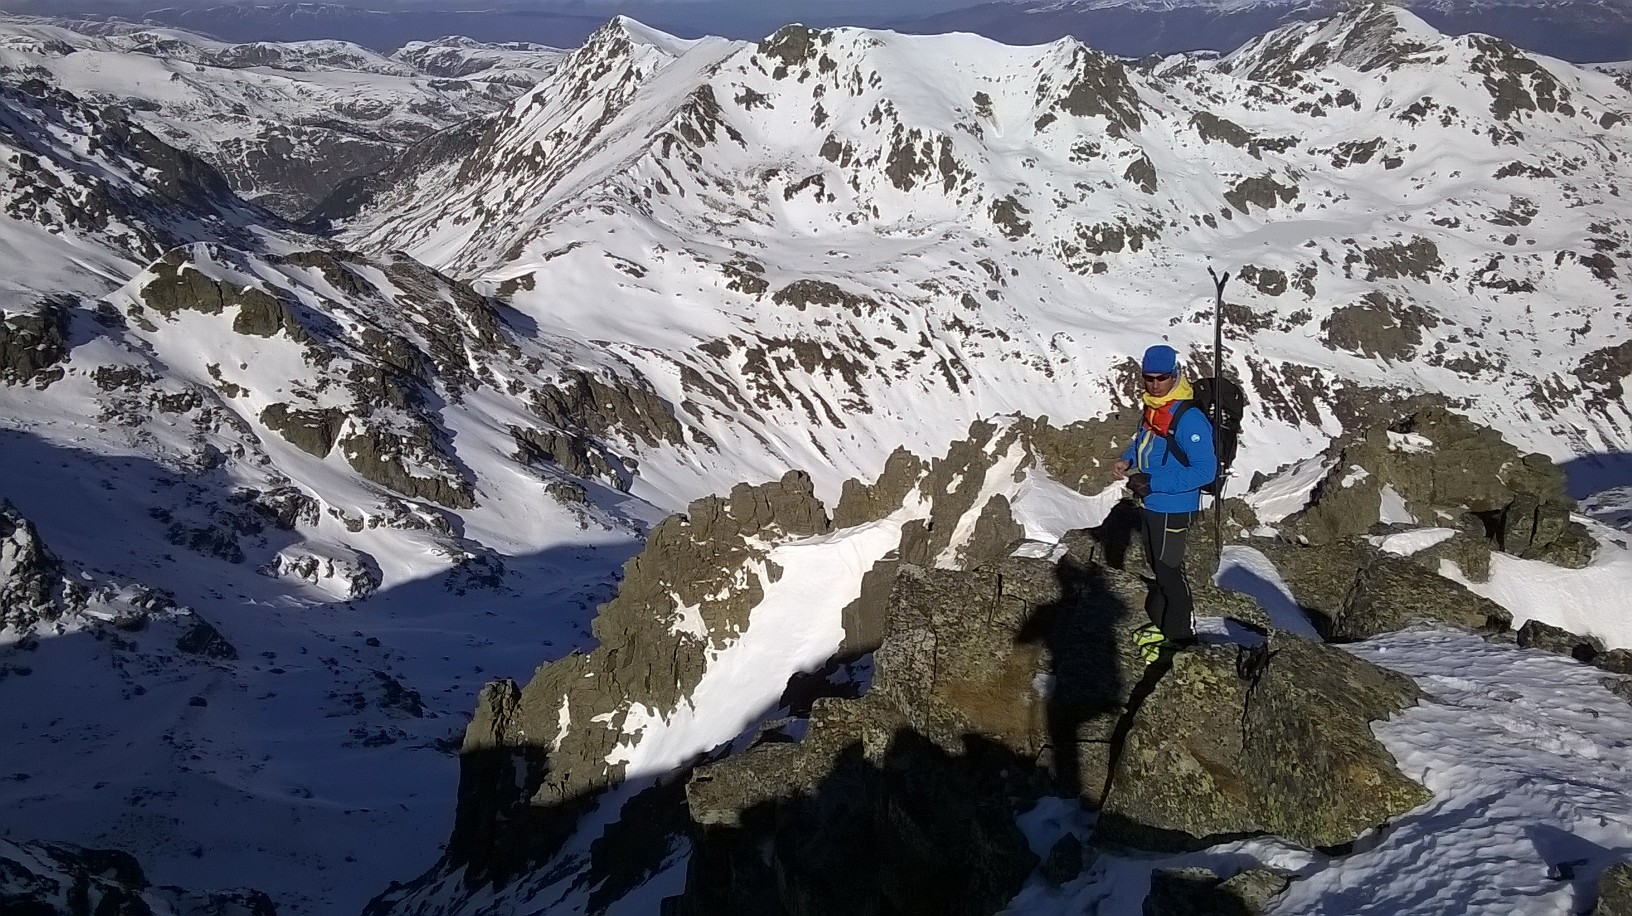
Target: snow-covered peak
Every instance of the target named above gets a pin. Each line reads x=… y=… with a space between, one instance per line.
x=1365 y=37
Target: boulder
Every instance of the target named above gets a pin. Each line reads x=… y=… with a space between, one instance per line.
x=1537 y=635
x=1351 y=590
x=1469 y=549
x=1543 y=530
x=1442 y=466
x=1198 y=891
x=1390 y=593
x=1319 y=577
x=1234 y=742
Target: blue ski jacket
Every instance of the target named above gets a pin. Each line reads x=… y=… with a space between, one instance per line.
x=1174 y=487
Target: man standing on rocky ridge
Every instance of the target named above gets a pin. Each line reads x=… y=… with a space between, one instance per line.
x=1170 y=459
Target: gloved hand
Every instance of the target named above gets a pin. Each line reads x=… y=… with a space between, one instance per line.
x=1139 y=484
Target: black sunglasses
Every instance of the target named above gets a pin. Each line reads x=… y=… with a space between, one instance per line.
x=1159 y=378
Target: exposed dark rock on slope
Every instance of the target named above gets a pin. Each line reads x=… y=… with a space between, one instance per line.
x=41 y=879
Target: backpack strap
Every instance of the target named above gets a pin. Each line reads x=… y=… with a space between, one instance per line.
x=1173 y=446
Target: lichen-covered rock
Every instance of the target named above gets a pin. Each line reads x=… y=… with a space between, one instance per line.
x=862 y=815
x=1389 y=593
x=1615 y=891
x=1234 y=742
x=1441 y=466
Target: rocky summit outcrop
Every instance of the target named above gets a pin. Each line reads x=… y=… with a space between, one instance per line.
x=1434 y=466
x=1015 y=680
x=903 y=800
x=44 y=879
x=995 y=673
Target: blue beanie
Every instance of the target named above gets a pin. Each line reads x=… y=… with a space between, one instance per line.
x=1160 y=360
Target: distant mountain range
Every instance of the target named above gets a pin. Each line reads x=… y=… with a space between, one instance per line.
x=1594 y=30
x=1574 y=30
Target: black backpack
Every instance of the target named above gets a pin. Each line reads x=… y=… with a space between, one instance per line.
x=1232 y=406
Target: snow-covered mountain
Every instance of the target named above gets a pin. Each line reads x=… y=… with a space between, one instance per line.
x=1593 y=30
x=838 y=224
x=278 y=505
x=264 y=113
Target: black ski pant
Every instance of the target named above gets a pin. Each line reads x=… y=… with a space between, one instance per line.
x=1168 y=602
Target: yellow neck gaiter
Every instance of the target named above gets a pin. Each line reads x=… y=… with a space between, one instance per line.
x=1181 y=392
